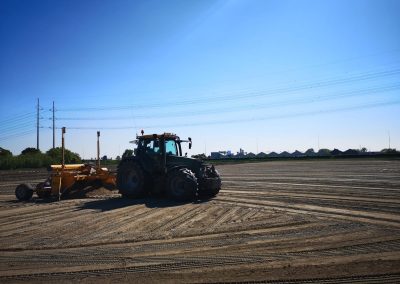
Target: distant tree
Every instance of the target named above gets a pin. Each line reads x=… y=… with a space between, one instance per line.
x=70 y=157
x=127 y=153
x=104 y=158
x=364 y=150
x=30 y=150
x=5 y=153
x=118 y=158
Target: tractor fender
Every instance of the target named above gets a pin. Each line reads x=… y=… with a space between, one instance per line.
x=175 y=167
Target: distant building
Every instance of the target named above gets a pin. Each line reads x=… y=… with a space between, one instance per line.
x=297 y=154
x=350 y=152
x=262 y=155
x=310 y=152
x=284 y=154
x=273 y=155
x=336 y=152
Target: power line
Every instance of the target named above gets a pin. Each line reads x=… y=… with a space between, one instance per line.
x=241 y=120
x=252 y=106
x=16 y=135
x=266 y=93
x=14 y=118
x=21 y=125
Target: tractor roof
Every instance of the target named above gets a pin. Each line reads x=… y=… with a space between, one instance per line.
x=152 y=136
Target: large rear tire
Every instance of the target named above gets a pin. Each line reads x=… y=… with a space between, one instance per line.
x=130 y=179
x=24 y=192
x=182 y=185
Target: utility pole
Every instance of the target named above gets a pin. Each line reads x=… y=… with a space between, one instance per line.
x=37 y=125
x=62 y=161
x=98 y=150
x=389 y=139
x=54 y=134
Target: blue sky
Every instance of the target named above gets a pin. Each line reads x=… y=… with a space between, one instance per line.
x=258 y=75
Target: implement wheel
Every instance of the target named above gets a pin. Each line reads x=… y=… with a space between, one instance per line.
x=24 y=192
x=130 y=179
x=182 y=185
x=41 y=191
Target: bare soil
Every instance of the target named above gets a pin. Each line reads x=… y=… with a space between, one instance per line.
x=283 y=221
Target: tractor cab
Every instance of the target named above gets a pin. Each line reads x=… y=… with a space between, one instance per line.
x=158 y=144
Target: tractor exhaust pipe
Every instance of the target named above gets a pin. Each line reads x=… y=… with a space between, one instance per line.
x=62 y=161
x=62 y=148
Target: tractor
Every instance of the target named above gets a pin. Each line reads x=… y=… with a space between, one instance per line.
x=158 y=168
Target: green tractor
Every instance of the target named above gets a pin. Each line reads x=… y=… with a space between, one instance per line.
x=158 y=167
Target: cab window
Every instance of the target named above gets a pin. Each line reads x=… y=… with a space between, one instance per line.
x=152 y=146
x=170 y=148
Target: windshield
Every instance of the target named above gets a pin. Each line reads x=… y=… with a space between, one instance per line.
x=170 y=148
x=152 y=146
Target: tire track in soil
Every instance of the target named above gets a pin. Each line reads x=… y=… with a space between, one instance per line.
x=15 y=222
x=374 y=279
x=369 y=206
x=365 y=206
x=297 y=194
x=175 y=222
x=104 y=223
x=196 y=224
x=346 y=214
x=113 y=219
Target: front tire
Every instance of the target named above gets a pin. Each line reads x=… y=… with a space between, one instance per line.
x=182 y=185
x=208 y=193
x=130 y=179
x=24 y=192
x=210 y=184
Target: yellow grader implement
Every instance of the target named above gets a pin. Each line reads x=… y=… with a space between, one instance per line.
x=65 y=179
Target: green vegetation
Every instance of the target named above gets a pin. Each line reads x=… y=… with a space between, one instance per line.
x=70 y=157
x=33 y=158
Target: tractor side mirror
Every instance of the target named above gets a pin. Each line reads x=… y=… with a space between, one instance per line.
x=190 y=143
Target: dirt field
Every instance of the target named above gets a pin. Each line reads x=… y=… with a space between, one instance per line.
x=294 y=221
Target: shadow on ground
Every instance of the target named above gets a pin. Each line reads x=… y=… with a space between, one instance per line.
x=116 y=203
